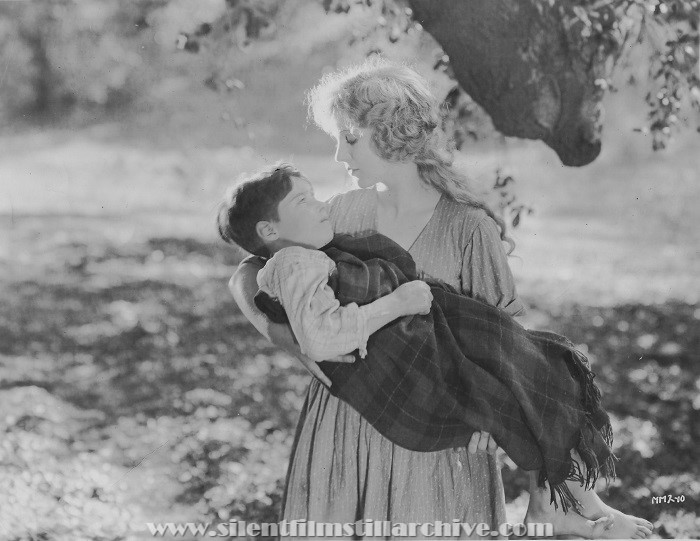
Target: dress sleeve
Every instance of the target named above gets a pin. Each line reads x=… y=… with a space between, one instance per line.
x=350 y=211
x=336 y=211
x=298 y=278
x=486 y=275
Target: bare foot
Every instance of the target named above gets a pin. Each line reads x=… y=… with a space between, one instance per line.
x=626 y=526
x=571 y=523
x=540 y=509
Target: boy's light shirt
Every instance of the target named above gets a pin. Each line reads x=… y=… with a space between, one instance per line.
x=298 y=278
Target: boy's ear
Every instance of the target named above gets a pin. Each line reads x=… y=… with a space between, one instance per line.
x=266 y=231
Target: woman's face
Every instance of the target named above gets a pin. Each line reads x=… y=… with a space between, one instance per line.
x=354 y=149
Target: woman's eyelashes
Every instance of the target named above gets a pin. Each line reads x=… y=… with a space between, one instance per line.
x=350 y=139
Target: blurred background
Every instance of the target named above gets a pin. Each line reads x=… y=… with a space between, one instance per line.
x=132 y=390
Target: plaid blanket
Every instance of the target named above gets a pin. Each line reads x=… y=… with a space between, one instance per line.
x=428 y=382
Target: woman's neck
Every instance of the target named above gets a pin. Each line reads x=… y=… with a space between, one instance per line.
x=407 y=193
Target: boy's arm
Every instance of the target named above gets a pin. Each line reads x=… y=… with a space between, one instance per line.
x=243 y=286
x=406 y=300
x=323 y=327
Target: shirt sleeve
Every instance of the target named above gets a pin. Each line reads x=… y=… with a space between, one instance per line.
x=298 y=278
x=486 y=275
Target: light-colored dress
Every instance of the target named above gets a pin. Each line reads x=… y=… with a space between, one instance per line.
x=341 y=469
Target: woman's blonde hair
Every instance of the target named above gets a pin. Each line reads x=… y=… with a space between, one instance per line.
x=395 y=103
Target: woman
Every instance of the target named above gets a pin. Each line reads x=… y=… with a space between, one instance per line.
x=385 y=121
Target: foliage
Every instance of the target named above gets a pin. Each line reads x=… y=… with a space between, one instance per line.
x=61 y=55
x=64 y=54
x=609 y=28
x=509 y=206
x=670 y=28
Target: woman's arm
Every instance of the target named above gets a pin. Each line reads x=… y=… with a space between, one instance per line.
x=486 y=276
x=243 y=286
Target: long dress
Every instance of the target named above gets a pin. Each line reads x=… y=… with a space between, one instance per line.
x=341 y=469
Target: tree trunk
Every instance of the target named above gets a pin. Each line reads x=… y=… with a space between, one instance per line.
x=516 y=61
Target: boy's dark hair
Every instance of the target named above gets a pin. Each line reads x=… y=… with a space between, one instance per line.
x=254 y=200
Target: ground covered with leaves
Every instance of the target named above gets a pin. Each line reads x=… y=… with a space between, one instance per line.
x=132 y=390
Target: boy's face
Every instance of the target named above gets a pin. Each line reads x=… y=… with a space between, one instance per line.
x=303 y=219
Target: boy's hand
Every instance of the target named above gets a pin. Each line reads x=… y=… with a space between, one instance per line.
x=413 y=298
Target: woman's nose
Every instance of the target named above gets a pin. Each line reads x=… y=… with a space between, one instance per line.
x=341 y=151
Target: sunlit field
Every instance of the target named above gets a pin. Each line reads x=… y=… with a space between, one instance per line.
x=133 y=390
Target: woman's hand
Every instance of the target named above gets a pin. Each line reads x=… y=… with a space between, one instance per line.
x=315 y=370
x=413 y=298
x=482 y=441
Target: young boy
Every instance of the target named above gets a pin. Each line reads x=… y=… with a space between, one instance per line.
x=276 y=216
x=427 y=382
